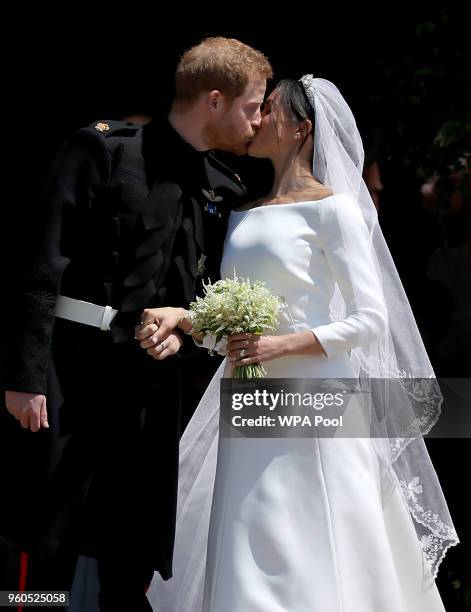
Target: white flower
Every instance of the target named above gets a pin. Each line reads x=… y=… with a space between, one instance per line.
x=414 y=487
x=426 y=541
x=233 y=306
x=236 y=305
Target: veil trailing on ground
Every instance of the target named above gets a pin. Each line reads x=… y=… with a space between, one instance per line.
x=404 y=398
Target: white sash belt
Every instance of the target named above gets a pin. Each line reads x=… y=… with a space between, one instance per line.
x=85 y=312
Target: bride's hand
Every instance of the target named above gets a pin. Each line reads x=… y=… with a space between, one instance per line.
x=157 y=324
x=243 y=349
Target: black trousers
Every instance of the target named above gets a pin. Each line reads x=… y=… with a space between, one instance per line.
x=123 y=579
x=123 y=584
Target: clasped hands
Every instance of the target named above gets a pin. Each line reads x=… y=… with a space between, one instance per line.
x=158 y=336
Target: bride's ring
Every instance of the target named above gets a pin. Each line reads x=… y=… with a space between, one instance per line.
x=242 y=353
x=162 y=344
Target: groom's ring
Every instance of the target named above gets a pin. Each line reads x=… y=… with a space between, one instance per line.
x=162 y=344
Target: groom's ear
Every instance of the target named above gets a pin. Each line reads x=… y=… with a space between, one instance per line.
x=214 y=100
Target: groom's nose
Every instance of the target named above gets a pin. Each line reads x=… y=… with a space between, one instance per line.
x=257 y=120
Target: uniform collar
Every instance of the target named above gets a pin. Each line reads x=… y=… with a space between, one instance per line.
x=169 y=157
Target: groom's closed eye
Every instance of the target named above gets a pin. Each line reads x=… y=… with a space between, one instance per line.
x=252 y=109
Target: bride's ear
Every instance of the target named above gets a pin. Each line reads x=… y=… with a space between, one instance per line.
x=303 y=130
x=306 y=127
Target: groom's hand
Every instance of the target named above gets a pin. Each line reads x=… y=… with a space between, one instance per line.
x=30 y=409
x=168 y=347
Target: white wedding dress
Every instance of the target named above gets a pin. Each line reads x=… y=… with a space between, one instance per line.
x=296 y=524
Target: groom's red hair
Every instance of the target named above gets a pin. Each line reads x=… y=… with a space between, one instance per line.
x=225 y=64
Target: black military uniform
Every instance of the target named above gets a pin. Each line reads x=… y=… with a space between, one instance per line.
x=134 y=218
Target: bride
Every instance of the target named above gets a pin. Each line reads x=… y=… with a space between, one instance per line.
x=319 y=524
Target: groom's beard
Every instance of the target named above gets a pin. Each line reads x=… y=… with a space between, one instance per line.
x=227 y=138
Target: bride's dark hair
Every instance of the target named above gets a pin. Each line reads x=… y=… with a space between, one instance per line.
x=294 y=99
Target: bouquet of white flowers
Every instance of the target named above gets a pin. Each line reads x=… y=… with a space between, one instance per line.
x=236 y=306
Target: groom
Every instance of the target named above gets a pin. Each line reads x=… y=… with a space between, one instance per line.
x=134 y=217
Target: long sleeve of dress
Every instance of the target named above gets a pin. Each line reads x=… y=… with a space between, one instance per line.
x=80 y=169
x=347 y=247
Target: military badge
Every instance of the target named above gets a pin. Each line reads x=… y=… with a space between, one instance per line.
x=211 y=196
x=212 y=209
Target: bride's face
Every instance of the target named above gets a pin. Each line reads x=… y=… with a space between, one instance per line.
x=276 y=133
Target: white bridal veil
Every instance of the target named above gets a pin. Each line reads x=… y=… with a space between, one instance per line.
x=404 y=395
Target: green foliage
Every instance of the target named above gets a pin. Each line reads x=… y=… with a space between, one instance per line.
x=421 y=93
